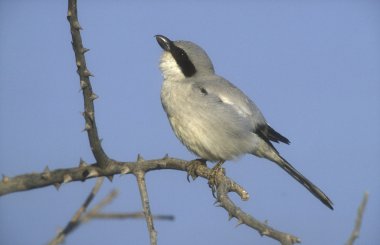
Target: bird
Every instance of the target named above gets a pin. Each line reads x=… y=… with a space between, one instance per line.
x=213 y=118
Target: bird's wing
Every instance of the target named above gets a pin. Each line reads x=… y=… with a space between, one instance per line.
x=220 y=89
x=269 y=134
x=228 y=94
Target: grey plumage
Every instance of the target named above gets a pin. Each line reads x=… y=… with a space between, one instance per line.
x=213 y=118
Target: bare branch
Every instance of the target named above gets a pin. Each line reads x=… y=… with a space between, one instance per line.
x=136 y=215
x=355 y=233
x=84 y=77
x=140 y=176
x=81 y=216
x=75 y=220
x=96 y=209
x=95 y=213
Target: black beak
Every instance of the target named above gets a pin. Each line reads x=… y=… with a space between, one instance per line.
x=165 y=43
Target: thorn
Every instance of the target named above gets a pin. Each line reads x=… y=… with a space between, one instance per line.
x=110 y=178
x=69 y=14
x=78 y=63
x=265 y=232
x=5 y=179
x=83 y=84
x=125 y=170
x=240 y=222
x=87 y=73
x=166 y=156
x=57 y=185
x=82 y=163
x=67 y=178
x=93 y=96
x=92 y=173
x=84 y=50
x=139 y=158
x=77 y=26
x=87 y=127
x=46 y=174
x=91 y=115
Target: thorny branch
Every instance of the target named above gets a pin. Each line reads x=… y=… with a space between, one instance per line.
x=84 y=171
x=224 y=201
x=88 y=95
x=89 y=113
x=355 y=233
x=107 y=167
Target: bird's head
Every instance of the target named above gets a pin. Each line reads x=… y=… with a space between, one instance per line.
x=183 y=59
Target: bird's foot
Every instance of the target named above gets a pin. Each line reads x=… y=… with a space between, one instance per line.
x=212 y=179
x=192 y=168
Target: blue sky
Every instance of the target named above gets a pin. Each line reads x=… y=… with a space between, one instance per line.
x=312 y=67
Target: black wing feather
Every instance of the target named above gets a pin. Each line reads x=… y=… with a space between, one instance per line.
x=268 y=134
x=275 y=136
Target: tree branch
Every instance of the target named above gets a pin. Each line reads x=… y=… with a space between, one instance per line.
x=96 y=209
x=75 y=220
x=140 y=176
x=81 y=216
x=355 y=233
x=136 y=215
x=95 y=213
x=84 y=171
x=225 y=186
x=88 y=95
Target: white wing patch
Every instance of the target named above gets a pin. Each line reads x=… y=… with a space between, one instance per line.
x=241 y=110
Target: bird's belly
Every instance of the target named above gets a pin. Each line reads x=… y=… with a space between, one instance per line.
x=203 y=140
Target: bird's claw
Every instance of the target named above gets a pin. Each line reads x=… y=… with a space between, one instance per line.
x=192 y=168
x=212 y=179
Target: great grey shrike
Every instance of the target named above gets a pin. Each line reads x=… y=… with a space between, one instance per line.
x=213 y=118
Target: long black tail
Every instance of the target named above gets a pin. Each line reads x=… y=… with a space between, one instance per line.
x=305 y=182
